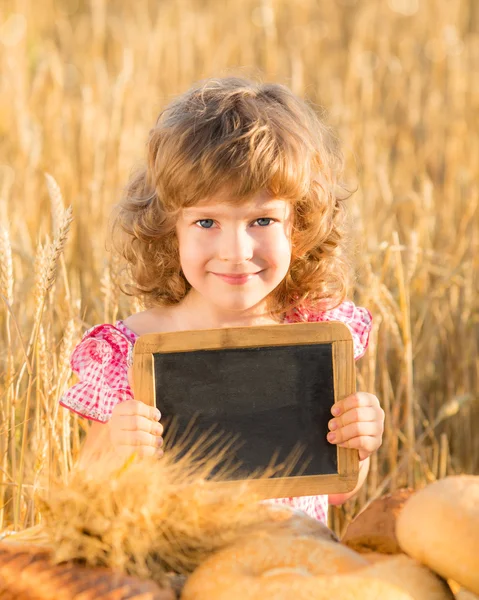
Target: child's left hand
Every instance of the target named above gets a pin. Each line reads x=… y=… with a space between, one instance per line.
x=358 y=423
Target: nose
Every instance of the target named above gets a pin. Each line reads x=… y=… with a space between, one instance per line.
x=235 y=246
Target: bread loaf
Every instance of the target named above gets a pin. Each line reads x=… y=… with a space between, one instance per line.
x=409 y=575
x=439 y=526
x=374 y=529
x=271 y=566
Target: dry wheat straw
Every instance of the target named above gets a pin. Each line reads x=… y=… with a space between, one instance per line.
x=47 y=269
x=56 y=199
x=6 y=266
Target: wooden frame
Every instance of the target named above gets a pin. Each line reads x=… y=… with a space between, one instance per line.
x=335 y=333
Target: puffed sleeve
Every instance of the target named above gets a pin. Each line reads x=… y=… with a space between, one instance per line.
x=101 y=362
x=359 y=321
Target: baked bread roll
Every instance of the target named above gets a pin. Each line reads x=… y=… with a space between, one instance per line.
x=439 y=526
x=342 y=587
x=282 y=519
x=346 y=587
x=409 y=575
x=463 y=594
x=28 y=572
x=374 y=529
x=270 y=566
x=460 y=593
x=282 y=568
x=375 y=557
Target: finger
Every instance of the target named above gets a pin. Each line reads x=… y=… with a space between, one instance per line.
x=126 y=452
x=369 y=428
x=364 y=414
x=363 y=443
x=139 y=423
x=137 y=408
x=144 y=451
x=140 y=438
x=358 y=400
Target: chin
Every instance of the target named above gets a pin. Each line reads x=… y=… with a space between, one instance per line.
x=237 y=305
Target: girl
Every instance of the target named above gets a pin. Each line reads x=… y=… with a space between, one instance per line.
x=236 y=220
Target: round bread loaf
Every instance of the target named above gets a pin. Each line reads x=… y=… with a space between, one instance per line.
x=283 y=567
x=302 y=587
x=28 y=572
x=409 y=575
x=374 y=529
x=283 y=519
x=271 y=566
x=460 y=593
x=375 y=557
x=463 y=594
x=439 y=526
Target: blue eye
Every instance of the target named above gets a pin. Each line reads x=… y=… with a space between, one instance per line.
x=261 y=221
x=205 y=223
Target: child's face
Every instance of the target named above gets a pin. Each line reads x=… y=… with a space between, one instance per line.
x=235 y=255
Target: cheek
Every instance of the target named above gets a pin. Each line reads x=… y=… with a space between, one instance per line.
x=184 y=250
x=192 y=253
x=284 y=260
x=279 y=251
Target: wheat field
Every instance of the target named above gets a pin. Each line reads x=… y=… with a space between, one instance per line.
x=81 y=83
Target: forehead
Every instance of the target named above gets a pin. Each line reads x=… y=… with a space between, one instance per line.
x=225 y=203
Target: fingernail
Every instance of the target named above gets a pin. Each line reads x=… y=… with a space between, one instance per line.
x=333 y=425
x=331 y=437
x=335 y=411
x=159 y=441
x=157 y=414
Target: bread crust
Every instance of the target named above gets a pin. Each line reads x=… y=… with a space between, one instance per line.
x=374 y=529
x=439 y=526
x=412 y=577
x=281 y=568
x=270 y=566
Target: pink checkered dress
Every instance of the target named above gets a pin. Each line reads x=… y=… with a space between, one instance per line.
x=102 y=358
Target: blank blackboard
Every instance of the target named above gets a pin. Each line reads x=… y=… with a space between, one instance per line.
x=270 y=398
x=270 y=388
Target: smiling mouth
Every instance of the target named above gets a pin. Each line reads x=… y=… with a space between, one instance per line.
x=236 y=278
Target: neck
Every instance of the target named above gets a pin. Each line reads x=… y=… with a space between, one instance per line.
x=194 y=312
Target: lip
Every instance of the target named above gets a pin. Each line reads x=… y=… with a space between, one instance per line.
x=236 y=278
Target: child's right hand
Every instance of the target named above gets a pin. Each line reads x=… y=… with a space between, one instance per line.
x=134 y=427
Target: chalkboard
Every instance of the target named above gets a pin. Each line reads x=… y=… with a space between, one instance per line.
x=270 y=388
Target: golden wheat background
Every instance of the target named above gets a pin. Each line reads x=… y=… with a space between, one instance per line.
x=81 y=83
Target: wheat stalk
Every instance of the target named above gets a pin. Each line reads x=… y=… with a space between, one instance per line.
x=57 y=248
x=56 y=199
x=6 y=266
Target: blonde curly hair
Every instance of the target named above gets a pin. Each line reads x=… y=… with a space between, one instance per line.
x=234 y=134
